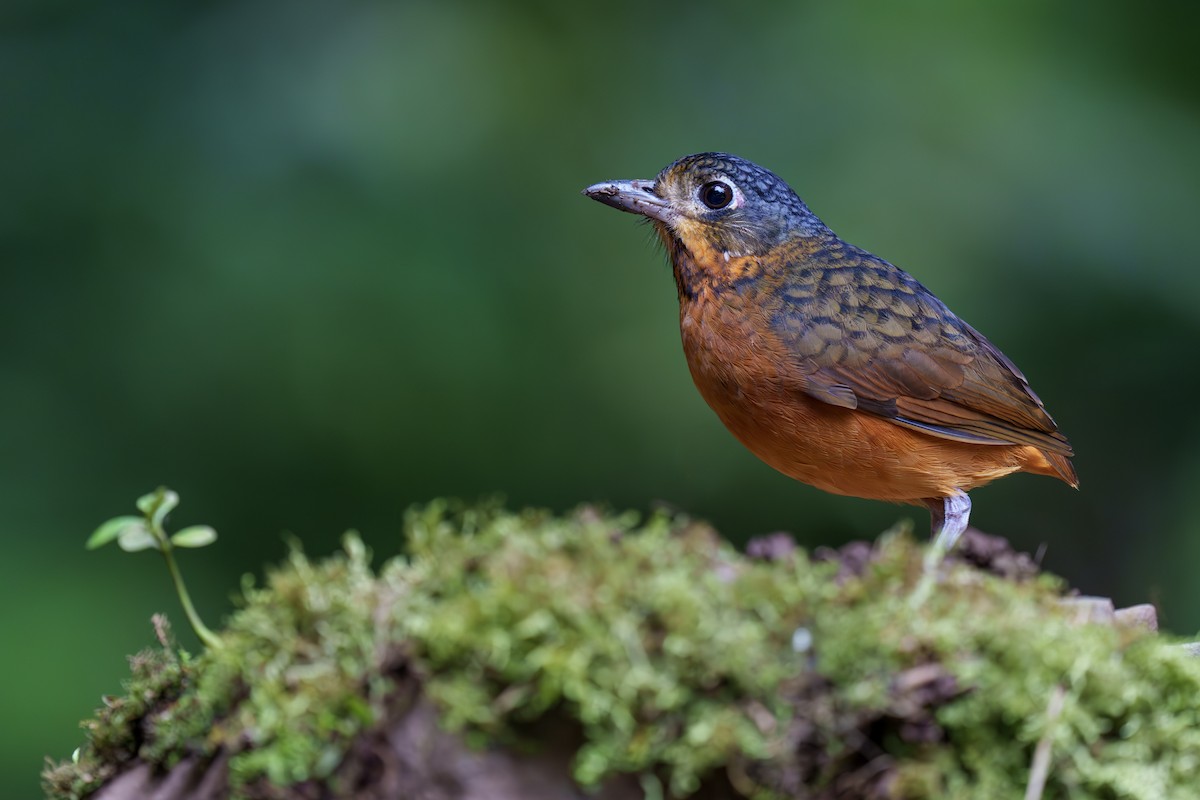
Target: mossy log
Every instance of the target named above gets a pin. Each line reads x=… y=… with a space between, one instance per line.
x=523 y=655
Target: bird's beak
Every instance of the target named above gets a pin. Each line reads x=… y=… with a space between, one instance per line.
x=636 y=197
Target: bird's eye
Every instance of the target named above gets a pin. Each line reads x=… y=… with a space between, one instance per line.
x=716 y=194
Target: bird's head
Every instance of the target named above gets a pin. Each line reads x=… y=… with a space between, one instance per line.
x=715 y=204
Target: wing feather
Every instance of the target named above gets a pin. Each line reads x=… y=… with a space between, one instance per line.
x=896 y=351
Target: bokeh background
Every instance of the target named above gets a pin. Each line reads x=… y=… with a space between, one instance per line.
x=310 y=263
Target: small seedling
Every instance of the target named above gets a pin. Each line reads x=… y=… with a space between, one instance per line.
x=147 y=533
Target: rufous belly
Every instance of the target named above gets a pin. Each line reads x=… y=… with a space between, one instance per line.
x=856 y=453
x=743 y=376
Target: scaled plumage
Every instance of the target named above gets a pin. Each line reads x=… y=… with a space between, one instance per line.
x=832 y=365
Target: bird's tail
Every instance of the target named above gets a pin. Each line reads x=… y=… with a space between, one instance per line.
x=1058 y=466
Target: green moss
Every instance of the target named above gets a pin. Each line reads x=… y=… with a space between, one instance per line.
x=156 y=680
x=674 y=655
x=298 y=678
x=295 y=681
x=660 y=641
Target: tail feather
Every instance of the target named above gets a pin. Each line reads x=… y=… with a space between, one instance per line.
x=1063 y=466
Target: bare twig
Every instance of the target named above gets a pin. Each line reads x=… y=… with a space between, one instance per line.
x=1040 y=768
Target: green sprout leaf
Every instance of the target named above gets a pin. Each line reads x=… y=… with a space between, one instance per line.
x=111 y=530
x=194 y=536
x=157 y=505
x=137 y=537
x=147 y=533
x=147 y=502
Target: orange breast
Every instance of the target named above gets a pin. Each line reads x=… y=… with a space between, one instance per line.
x=752 y=383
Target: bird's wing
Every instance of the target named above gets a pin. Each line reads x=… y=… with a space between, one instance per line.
x=874 y=339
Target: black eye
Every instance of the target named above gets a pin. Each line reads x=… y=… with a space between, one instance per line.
x=716 y=194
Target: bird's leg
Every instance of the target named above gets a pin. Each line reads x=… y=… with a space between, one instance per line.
x=949 y=519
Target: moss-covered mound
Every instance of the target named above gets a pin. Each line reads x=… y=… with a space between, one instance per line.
x=674 y=658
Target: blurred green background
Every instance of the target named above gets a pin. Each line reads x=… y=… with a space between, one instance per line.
x=311 y=262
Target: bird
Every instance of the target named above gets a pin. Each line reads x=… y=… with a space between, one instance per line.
x=830 y=364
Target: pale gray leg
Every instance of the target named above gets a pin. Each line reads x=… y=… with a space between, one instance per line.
x=950 y=516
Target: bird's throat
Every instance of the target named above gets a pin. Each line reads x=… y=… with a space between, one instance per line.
x=701 y=268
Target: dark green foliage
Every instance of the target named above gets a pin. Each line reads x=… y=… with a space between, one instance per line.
x=314 y=262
